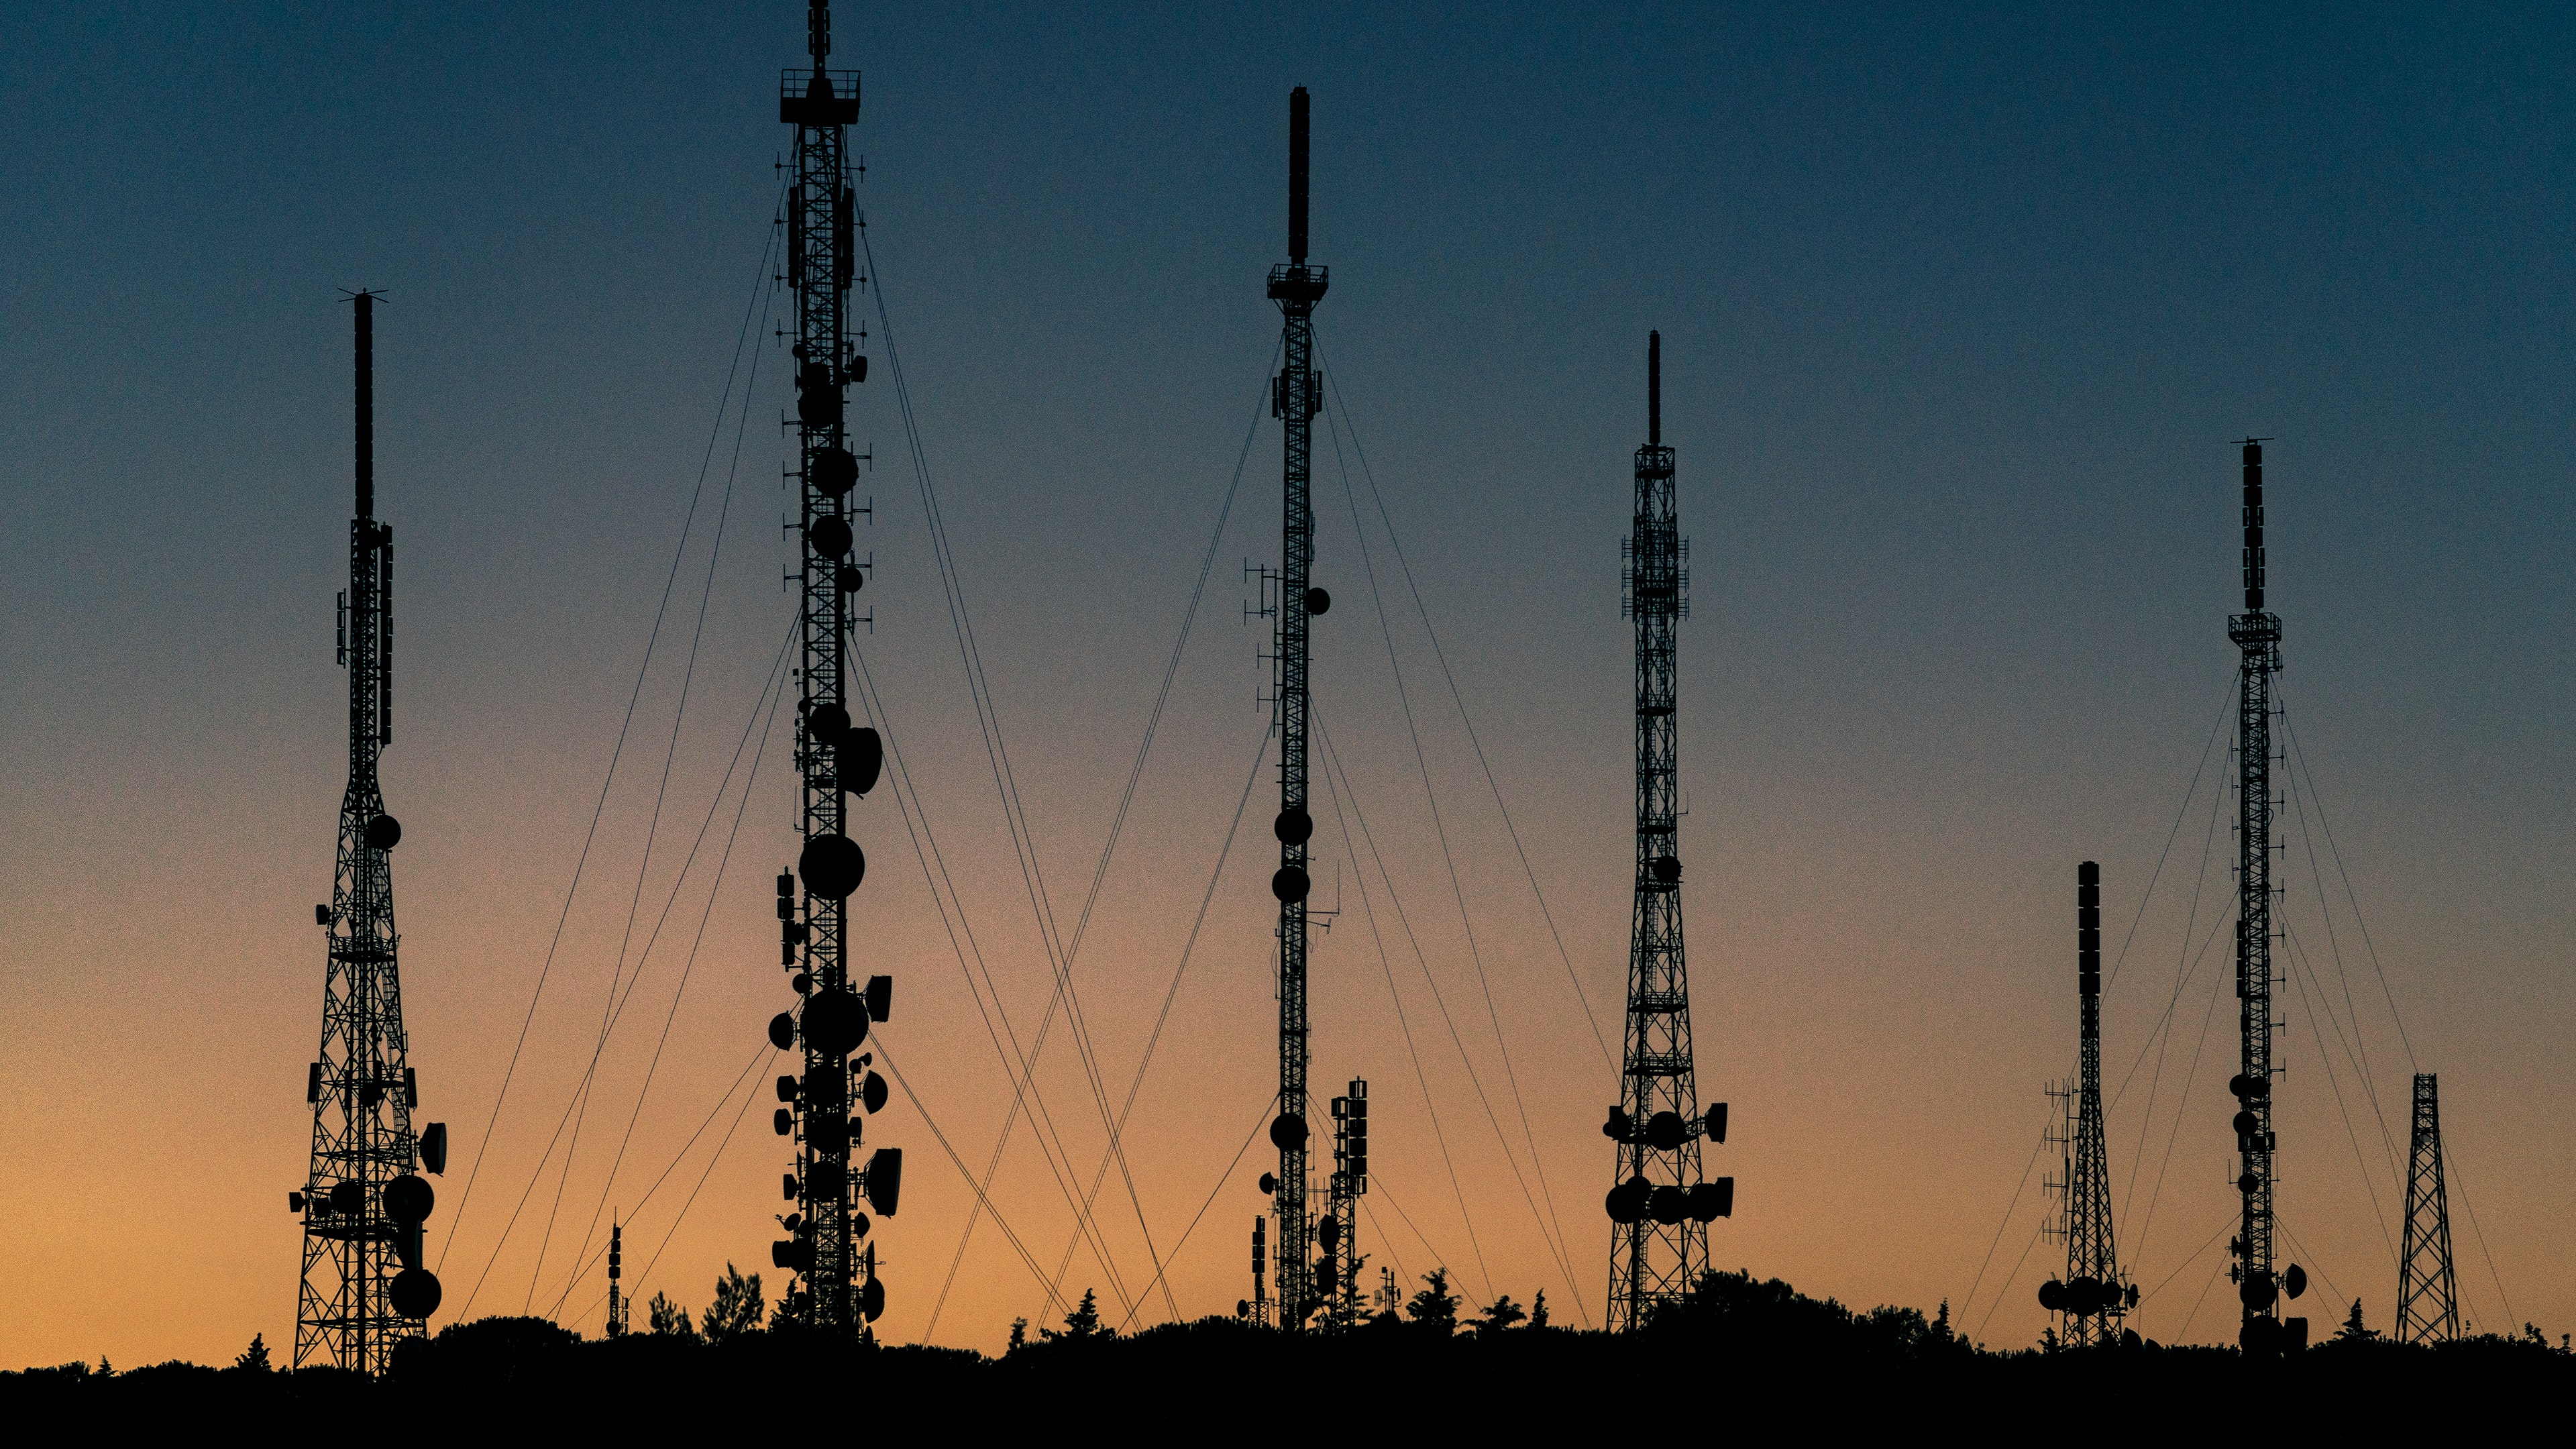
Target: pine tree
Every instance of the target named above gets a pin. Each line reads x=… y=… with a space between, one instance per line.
x=1538 y=1310
x=1083 y=1321
x=255 y=1357
x=1019 y=1333
x=1435 y=1305
x=736 y=1309
x=665 y=1316
x=2353 y=1330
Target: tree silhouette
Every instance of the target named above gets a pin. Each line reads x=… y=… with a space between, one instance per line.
x=1538 y=1310
x=1019 y=1333
x=2353 y=1330
x=1435 y=1306
x=665 y=1316
x=1083 y=1321
x=255 y=1357
x=1503 y=1314
x=736 y=1309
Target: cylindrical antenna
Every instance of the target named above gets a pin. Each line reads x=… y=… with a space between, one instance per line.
x=1654 y=389
x=2253 y=525
x=818 y=31
x=1297 y=175
x=2088 y=929
x=366 y=405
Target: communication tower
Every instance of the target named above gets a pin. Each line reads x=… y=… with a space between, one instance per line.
x=1338 y=1275
x=616 y=1270
x=1296 y=396
x=1660 y=1207
x=364 y=1288
x=2428 y=1300
x=2257 y=635
x=2094 y=1296
x=834 y=1288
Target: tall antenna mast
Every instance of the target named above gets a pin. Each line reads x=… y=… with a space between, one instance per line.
x=364 y=1289
x=2094 y=1296
x=1660 y=1207
x=835 y=1288
x=1296 y=396
x=2257 y=636
x=2428 y=1297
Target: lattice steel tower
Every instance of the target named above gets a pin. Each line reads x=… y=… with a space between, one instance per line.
x=834 y=1288
x=364 y=1288
x=2428 y=1300
x=2093 y=1297
x=1660 y=1207
x=1296 y=396
x=2257 y=635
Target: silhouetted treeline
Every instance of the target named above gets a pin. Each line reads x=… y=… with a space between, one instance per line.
x=1740 y=1352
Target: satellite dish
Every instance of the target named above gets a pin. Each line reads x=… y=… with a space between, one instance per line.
x=851 y=579
x=2244 y=1123
x=828 y=1134
x=1243 y=1308
x=782 y=1253
x=415 y=1293
x=1664 y=1131
x=783 y=1121
x=408 y=1199
x=2258 y=1292
x=384 y=833
x=1704 y=1204
x=1668 y=1205
x=2246 y=1183
x=858 y=1225
x=1324 y=1272
x=782 y=1031
x=1318 y=602
x=1715 y=1121
x=824 y=1178
x=833 y=866
x=2129 y=1338
x=827 y=722
x=835 y=471
x=1668 y=869
x=2084 y=1295
x=2295 y=1282
x=1294 y=826
x=1289 y=884
x=802 y=983
x=792 y=1221
x=862 y=760
x=872 y=1093
x=880 y=999
x=1627 y=1201
x=2052 y=1296
x=835 y=1022
x=885 y=1180
x=1287 y=1131
x=1269 y=1184
x=872 y=1299
x=1616 y=1129
x=830 y=536
x=1329 y=1232
x=348 y=1196
x=433 y=1148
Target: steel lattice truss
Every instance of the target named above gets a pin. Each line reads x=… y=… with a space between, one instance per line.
x=2428 y=1301
x=2094 y=1298
x=2257 y=636
x=1659 y=1244
x=361 y=1086
x=823 y=1248
x=1297 y=395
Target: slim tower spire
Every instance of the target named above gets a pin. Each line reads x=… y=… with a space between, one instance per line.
x=2094 y=1296
x=835 y=1289
x=364 y=1289
x=1660 y=1207
x=1296 y=396
x=2428 y=1300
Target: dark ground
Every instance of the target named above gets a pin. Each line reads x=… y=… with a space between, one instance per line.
x=1743 y=1355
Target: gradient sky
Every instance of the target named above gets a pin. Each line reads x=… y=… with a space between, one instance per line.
x=1961 y=312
